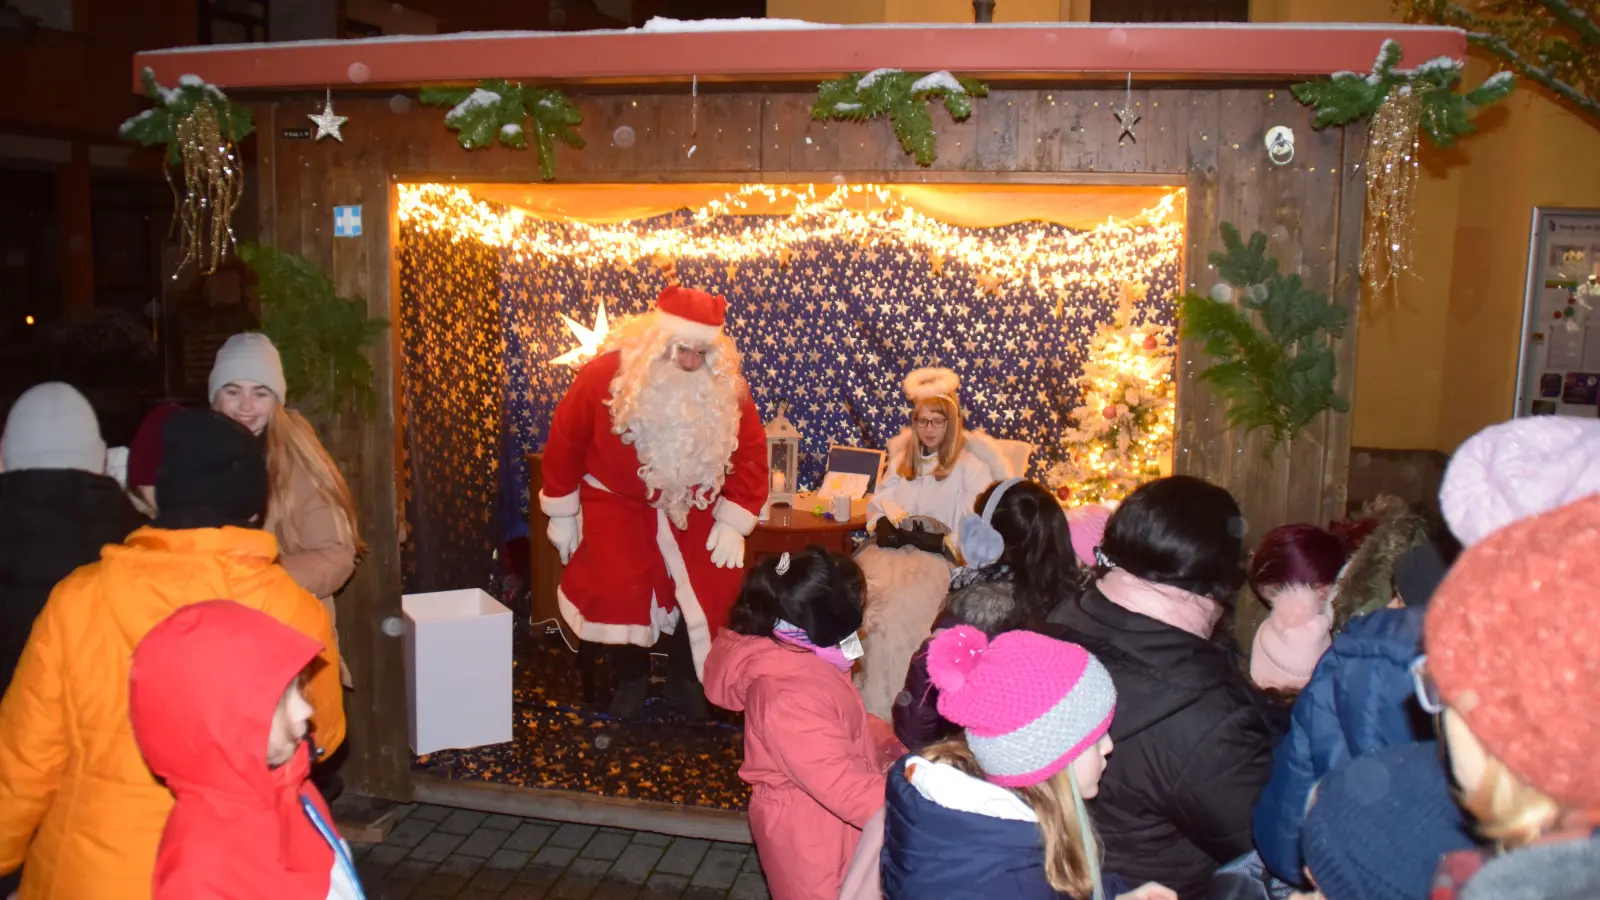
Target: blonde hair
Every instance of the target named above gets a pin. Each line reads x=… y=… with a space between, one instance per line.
x=1510 y=812
x=1071 y=849
x=955 y=440
x=292 y=446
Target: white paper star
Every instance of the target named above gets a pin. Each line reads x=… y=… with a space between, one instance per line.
x=328 y=124
x=589 y=339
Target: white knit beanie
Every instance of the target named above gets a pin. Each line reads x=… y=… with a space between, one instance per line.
x=51 y=426
x=248 y=357
x=1519 y=469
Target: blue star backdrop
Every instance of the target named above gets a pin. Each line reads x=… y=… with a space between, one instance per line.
x=832 y=333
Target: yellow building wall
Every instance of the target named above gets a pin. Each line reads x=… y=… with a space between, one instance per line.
x=1437 y=363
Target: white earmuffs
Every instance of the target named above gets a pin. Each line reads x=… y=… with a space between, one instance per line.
x=981 y=545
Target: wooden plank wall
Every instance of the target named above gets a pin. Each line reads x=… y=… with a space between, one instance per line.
x=1205 y=137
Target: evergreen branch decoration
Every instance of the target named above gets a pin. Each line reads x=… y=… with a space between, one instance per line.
x=159 y=123
x=320 y=335
x=903 y=97
x=1278 y=376
x=1446 y=115
x=1555 y=43
x=503 y=111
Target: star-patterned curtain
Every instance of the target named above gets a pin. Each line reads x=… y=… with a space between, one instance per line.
x=828 y=326
x=831 y=329
x=452 y=370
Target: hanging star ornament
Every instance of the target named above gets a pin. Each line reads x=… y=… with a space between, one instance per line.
x=589 y=339
x=328 y=124
x=1127 y=118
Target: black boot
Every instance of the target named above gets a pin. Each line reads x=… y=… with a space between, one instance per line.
x=633 y=667
x=684 y=690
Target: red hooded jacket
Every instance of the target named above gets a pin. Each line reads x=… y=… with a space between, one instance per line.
x=203 y=690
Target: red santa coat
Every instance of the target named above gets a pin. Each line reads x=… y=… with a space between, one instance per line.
x=634 y=573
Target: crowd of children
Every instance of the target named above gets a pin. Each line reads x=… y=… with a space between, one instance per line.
x=1417 y=718
x=1412 y=721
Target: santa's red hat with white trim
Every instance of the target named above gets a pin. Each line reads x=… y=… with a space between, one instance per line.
x=691 y=315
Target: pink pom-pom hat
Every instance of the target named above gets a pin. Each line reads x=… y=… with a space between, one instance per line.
x=1030 y=704
x=1288 y=645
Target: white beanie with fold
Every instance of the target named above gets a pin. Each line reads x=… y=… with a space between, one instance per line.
x=248 y=356
x=51 y=426
x=1518 y=469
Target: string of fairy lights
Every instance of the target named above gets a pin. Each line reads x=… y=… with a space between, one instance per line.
x=1134 y=429
x=1103 y=258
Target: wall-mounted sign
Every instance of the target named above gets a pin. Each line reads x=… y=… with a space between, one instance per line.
x=347 y=221
x=1559 y=369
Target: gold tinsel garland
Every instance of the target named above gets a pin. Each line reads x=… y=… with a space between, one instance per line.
x=213 y=183
x=1392 y=172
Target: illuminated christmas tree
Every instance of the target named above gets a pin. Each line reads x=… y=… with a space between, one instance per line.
x=1121 y=435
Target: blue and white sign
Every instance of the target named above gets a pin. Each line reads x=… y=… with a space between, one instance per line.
x=347 y=221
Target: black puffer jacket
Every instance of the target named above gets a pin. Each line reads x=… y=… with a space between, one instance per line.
x=51 y=522
x=1193 y=748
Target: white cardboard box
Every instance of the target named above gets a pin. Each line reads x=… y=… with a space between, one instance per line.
x=458 y=670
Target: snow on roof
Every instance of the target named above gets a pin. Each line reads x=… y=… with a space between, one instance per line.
x=764 y=49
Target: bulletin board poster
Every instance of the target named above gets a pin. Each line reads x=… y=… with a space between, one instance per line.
x=1559 y=366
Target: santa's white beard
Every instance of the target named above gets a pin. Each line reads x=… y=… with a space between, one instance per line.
x=685 y=427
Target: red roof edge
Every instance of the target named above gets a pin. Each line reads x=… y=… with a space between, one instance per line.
x=1211 y=51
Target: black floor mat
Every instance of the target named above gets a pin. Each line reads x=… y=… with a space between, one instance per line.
x=565 y=743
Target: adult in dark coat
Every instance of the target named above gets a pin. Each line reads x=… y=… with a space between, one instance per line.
x=1194 y=739
x=57 y=506
x=57 y=509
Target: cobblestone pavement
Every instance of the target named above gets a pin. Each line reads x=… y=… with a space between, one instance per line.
x=434 y=851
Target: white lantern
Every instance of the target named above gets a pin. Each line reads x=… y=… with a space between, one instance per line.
x=783 y=458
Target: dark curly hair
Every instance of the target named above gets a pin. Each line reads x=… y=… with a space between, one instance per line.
x=820 y=593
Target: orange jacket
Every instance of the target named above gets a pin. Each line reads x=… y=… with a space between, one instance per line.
x=69 y=767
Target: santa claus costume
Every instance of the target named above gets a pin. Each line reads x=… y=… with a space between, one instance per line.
x=654 y=474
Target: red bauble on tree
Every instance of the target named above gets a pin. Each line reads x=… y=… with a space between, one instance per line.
x=1063 y=493
x=1150 y=342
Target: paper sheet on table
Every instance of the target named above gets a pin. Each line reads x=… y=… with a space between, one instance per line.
x=849 y=484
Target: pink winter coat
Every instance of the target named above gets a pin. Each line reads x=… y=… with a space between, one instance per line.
x=811 y=753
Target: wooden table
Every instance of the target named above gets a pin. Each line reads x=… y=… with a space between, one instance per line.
x=791 y=529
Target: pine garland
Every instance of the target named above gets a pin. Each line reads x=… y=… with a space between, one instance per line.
x=1446 y=114
x=320 y=335
x=498 y=110
x=903 y=97
x=1278 y=376
x=159 y=124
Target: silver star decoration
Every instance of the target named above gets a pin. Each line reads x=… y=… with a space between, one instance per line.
x=328 y=124
x=1127 y=118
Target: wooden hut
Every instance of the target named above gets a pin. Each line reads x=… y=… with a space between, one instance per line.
x=1205 y=97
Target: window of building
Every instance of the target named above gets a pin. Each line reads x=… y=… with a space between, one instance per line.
x=233 y=21
x=1169 y=11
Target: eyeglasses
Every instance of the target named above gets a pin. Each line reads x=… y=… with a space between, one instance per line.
x=1427 y=689
x=930 y=423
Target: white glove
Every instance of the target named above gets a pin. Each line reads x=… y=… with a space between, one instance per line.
x=565 y=532
x=727 y=546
